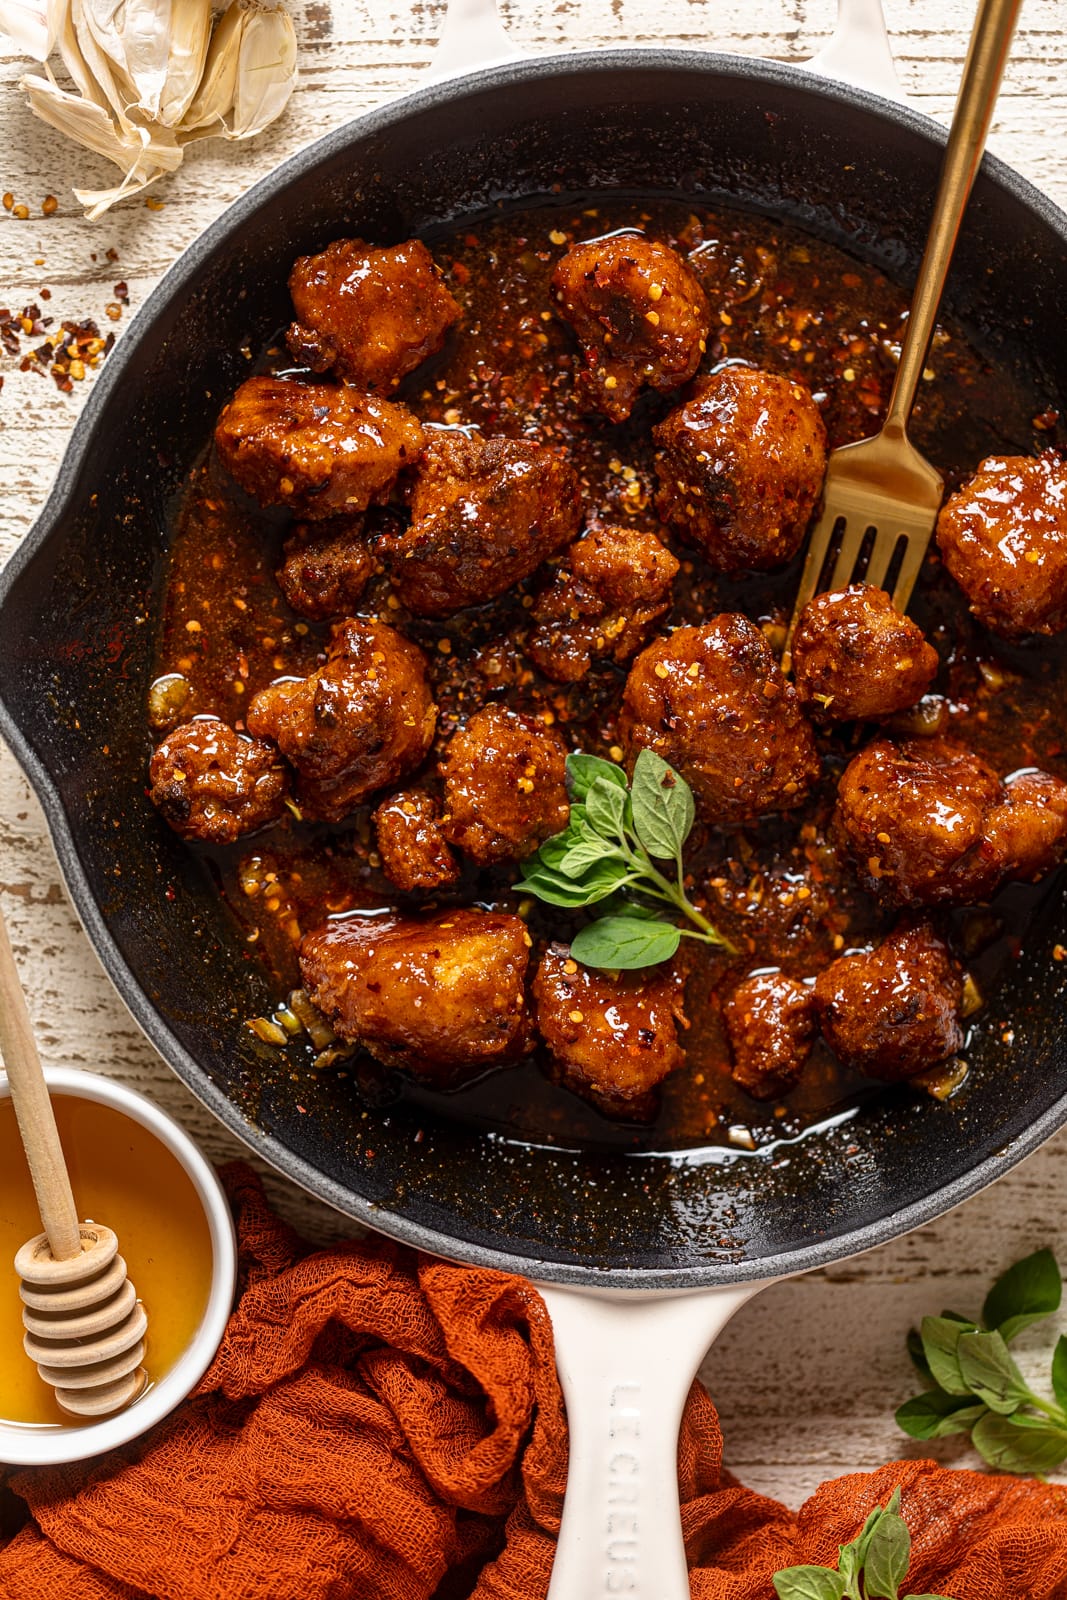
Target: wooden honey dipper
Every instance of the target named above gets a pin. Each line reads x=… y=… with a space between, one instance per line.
x=84 y=1324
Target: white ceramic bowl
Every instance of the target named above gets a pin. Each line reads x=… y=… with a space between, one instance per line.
x=35 y=1447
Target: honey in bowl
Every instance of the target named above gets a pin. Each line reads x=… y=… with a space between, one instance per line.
x=122 y=1176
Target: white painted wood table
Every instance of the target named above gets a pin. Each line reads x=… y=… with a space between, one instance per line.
x=808 y=1374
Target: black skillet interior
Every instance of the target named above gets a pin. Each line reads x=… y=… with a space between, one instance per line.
x=76 y=630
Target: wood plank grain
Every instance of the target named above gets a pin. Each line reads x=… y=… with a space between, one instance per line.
x=808 y=1374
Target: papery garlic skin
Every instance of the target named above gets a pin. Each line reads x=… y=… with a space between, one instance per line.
x=190 y=37
x=31 y=25
x=266 y=70
x=154 y=75
x=134 y=36
x=213 y=100
x=142 y=155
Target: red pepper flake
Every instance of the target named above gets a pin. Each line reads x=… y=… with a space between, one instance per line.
x=110 y=255
x=49 y=205
x=9 y=201
x=121 y=292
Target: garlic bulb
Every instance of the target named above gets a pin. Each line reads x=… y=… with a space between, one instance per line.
x=151 y=76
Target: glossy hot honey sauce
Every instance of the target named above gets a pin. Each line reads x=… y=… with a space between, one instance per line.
x=122 y=1176
x=782 y=301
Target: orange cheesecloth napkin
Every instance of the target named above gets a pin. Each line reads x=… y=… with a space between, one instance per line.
x=379 y=1425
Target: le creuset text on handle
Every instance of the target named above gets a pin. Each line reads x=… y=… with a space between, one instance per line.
x=626 y=1363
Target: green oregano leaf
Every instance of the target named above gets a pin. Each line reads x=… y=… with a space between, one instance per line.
x=866 y=1533
x=596 y=883
x=1015 y=1444
x=603 y=862
x=809 y=1583
x=871 y=1567
x=940 y=1338
x=849 y=1567
x=936 y=1415
x=1027 y=1292
x=605 y=806
x=583 y=855
x=1059 y=1371
x=625 y=943
x=583 y=771
x=553 y=850
x=986 y=1367
x=663 y=806
x=886 y=1562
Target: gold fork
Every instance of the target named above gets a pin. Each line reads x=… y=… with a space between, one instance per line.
x=883 y=486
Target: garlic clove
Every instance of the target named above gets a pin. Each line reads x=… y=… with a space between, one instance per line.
x=266 y=70
x=72 y=58
x=213 y=100
x=133 y=37
x=103 y=80
x=190 y=33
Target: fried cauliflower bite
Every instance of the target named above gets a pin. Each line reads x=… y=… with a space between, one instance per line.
x=505 y=789
x=712 y=702
x=740 y=468
x=895 y=1010
x=321 y=449
x=371 y=313
x=355 y=725
x=612 y=1038
x=856 y=657
x=640 y=317
x=1003 y=537
x=443 y=999
x=770 y=1023
x=326 y=567
x=608 y=590
x=928 y=822
x=214 y=784
x=414 y=851
x=485 y=513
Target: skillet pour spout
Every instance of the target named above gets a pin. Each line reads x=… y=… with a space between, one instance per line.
x=76 y=633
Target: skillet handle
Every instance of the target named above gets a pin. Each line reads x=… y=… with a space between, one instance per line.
x=472 y=36
x=858 y=51
x=626 y=1364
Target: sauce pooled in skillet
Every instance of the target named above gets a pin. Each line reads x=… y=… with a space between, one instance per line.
x=648 y=569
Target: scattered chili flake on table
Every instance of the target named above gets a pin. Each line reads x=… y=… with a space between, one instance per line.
x=66 y=354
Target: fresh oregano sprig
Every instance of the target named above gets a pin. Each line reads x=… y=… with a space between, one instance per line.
x=974 y=1385
x=872 y=1567
x=605 y=862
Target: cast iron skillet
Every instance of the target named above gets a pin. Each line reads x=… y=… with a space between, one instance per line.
x=76 y=631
